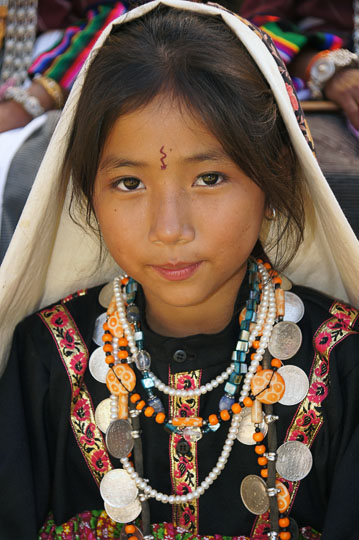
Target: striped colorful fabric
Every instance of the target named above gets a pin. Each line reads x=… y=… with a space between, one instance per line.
x=64 y=60
x=289 y=40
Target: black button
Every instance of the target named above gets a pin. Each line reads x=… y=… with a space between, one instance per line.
x=182 y=447
x=180 y=356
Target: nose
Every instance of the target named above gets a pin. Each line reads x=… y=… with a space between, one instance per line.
x=171 y=218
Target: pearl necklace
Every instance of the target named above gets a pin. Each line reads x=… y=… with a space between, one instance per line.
x=151 y=493
x=265 y=319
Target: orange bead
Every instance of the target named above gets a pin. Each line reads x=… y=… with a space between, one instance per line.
x=107 y=337
x=122 y=342
x=276 y=363
x=236 y=408
x=260 y=261
x=107 y=347
x=260 y=449
x=132 y=538
x=285 y=535
x=277 y=279
x=149 y=411
x=284 y=522
x=258 y=436
x=255 y=344
x=192 y=421
x=212 y=419
x=262 y=461
x=134 y=398
x=110 y=359
x=252 y=355
x=124 y=281
x=259 y=368
x=267 y=265
x=105 y=326
x=130 y=529
x=225 y=415
x=140 y=405
x=160 y=417
x=122 y=354
x=264 y=473
x=248 y=401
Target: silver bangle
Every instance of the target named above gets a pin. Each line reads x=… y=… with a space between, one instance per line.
x=31 y=104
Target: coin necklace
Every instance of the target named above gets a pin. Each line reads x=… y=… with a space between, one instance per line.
x=224 y=414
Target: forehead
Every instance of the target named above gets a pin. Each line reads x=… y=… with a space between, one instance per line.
x=163 y=122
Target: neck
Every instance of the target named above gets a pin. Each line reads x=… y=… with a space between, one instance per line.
x=210 y=317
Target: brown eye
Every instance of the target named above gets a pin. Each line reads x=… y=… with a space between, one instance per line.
x=209 y=179
x=129 y=184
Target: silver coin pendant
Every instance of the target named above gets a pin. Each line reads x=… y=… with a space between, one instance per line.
x=285 y=340
x=119 y=440
x=296 y=384
x=294 y=461
x=97 y=365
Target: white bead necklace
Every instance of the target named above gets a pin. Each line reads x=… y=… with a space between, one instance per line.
x=266 y=315
x=151 y=493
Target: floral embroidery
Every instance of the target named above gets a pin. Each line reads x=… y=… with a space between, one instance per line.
x=74 y=356
x=309 y=417
x=184 y=467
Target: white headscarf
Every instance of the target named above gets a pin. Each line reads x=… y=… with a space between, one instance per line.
x=50 y=256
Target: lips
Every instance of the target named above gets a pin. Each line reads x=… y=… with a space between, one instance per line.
x=177 y=272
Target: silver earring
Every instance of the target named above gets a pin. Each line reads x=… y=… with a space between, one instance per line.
x=274 y=213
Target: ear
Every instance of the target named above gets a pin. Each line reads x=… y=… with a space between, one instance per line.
x=270 y=212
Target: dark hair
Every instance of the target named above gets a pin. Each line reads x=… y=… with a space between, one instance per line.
x=198 y=61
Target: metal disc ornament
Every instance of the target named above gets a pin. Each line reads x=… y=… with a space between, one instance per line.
x=106 y=294
x=294 y=307
x=136 y=533
x=118 y=489
x=285 y=340
x=97 y=365
x=126 y=514
x=254 y=494
x=103 y=414
x=246 y=428
x=98 y=330
x=119 y=440
x=294 y=461
x=296 y=385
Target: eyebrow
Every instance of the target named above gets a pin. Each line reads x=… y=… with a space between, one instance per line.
x=117 y=162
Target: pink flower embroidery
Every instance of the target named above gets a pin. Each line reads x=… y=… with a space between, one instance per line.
x=68 y=339
x=298 y=435
x=185 y=382
x=307 y=419
x=59 y=320
x=182 y=467
x=89 y=436
x=182 y=488
x=292 y=96
x=321 y=370
x=187 y=517
x=82 y=410
x=99 y=460
x=185 y=410
x=78 y=363
x=317 y=392
x=322 y=341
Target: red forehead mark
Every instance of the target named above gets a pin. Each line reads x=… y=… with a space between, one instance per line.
x=164 y=155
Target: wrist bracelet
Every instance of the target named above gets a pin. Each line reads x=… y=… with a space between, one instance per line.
x=31 y=104
x=52 y=88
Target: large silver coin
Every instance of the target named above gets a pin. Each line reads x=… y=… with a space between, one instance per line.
x=97 y=365
x=103 y=414
x=294 y=307
x=98 y=330
x=106 y=294
x=285 y=340
x=296 y=385
x=126 y=514
x=294 y=460
x=247 y=428
x=118 y=489
x=254 y=494
x=119 y=440
x=137 y=534
x=286 y=284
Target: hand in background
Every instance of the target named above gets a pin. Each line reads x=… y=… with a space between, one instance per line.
x=343 y=89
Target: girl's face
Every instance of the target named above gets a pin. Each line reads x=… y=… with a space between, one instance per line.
x=178 y=215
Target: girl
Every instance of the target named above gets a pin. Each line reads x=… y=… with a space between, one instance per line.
x=188 y=156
